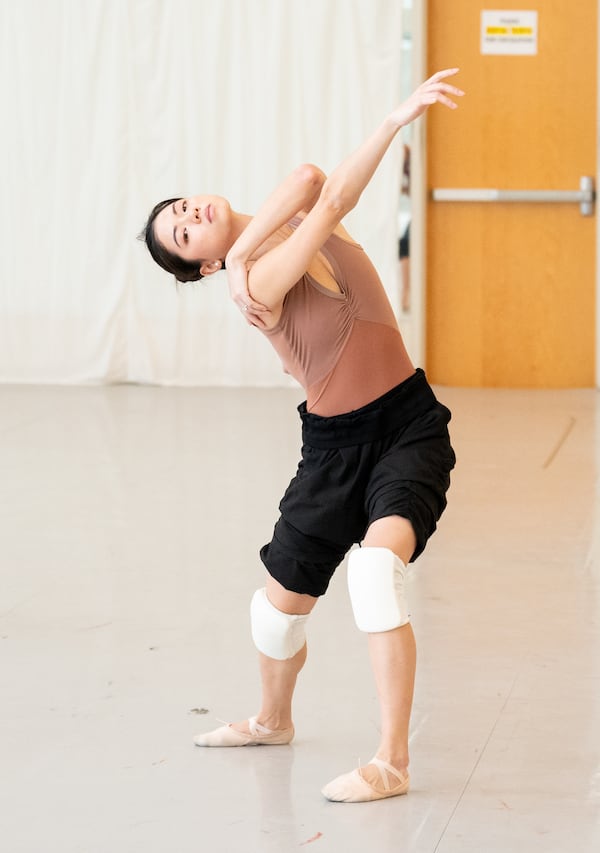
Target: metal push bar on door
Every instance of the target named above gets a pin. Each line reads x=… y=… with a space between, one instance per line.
x=585 y=196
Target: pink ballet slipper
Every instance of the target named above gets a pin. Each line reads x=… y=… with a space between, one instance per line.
x=259 y=736
x=353 y=788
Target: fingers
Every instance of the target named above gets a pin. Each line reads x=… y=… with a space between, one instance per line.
x=441 y=75
x=253 y=318
x=252 y=311
x=450 y=90
x=436 y=92
x=247 y=314
x=442 y=87
x=250 y=306
x=237 y=277
x=441 y=98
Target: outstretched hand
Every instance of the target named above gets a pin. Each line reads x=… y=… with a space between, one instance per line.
x=432 y=91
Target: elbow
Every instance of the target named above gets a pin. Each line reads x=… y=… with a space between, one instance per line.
x=310 y=176
x=338 y=199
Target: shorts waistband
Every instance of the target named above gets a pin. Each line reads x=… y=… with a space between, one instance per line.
x=394 y=409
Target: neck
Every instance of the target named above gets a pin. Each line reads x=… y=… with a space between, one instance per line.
x=239 y=222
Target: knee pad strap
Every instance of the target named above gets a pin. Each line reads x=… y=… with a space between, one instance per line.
x=376 y=586
x=276 y=634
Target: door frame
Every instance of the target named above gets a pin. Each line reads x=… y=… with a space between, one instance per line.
x=418 y=192
x=418 y=237
x=597 y=342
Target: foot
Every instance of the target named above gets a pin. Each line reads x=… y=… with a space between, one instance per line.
x=250 y=734
x=376 y=781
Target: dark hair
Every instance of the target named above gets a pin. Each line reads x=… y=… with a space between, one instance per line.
x=182 y=270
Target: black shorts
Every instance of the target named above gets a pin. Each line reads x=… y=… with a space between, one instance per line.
x=391 y=457
x=404 y=244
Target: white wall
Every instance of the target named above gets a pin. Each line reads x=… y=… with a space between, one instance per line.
x=111 y=105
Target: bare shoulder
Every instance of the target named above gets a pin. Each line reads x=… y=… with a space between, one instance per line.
x=340 y=231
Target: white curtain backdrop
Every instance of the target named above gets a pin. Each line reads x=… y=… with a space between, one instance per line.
x=110 y=106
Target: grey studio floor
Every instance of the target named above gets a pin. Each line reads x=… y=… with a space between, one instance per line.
x=131 y=518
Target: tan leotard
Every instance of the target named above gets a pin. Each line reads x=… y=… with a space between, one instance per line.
x=345 y=348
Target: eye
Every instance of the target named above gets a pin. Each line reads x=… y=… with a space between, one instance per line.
x=184 y=205
x=185 y=234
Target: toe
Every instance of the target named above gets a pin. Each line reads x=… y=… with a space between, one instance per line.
x=348 y=788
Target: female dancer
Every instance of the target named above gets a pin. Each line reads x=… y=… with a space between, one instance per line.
x=376 y=455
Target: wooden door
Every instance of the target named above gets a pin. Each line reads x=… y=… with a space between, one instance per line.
x=510 y=290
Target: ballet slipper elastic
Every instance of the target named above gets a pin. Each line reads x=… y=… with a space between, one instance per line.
x=259 y=736
x=353 y=788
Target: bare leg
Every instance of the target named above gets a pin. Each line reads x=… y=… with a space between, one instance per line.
x=278 y=677
x=393 y=659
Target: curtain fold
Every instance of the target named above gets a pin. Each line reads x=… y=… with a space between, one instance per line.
x=113 y=105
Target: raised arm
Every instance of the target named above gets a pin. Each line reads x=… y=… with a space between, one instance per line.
x=276 y=271
x=298 y=192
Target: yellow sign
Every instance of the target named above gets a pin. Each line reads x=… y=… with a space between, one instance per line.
x=509 y=32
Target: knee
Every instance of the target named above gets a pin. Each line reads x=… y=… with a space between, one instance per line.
x=286 y=600
x=376 y=579
x=396 y=532
x=276 y=634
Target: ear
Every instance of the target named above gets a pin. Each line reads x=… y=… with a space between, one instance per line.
x=209 y=267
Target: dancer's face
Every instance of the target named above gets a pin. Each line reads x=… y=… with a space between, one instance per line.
x=196 y=228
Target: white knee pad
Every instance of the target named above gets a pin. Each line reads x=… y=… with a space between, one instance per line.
x=276 y=634
x=376 y=585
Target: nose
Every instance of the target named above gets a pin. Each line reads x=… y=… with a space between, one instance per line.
x=195 y=214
